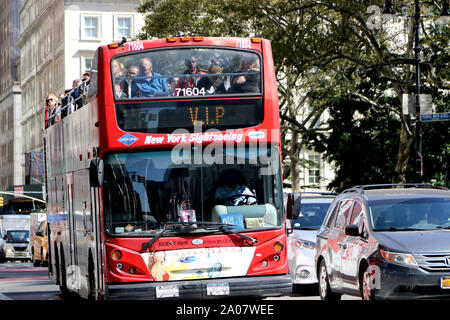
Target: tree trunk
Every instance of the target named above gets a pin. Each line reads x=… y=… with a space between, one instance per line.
x=405 y=148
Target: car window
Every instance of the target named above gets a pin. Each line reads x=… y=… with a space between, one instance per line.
x=41 y=227
x=344 y=213
x=356 y=214
x=311 y=215
x=332 y=216
x=419 y=213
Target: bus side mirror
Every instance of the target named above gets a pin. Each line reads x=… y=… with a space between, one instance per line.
x=96 y=173
x=293 y=206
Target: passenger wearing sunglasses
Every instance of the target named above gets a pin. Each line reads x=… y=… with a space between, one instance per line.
x=50 y=104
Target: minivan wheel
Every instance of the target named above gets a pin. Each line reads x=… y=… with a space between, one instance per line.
x=324 y=285
x=366 y=285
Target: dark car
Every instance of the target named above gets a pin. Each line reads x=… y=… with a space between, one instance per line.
x=386 y=242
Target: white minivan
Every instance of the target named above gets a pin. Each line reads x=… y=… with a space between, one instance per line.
x=305 y=224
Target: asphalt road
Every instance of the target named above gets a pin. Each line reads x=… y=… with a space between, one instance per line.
x=22 y=281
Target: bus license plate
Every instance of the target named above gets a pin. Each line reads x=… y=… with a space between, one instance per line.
x=218 y=289
x=445 y=282
x=167 y=291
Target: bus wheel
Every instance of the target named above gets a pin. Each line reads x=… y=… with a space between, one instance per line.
x=91 y=279
x=43 y=262
x=36 y=263
x=58 y=279
x=63 y=278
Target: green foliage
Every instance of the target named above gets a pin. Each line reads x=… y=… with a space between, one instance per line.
x=336 y=56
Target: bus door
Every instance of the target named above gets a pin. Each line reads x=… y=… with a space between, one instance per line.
x=98 y=244
x=72 y=218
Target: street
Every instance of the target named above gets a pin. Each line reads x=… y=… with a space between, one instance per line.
x=22 y=281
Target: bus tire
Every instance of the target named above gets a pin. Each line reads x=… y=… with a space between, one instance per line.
x=56 y=270
x=36 y=263
x=91 y=278
x=43 y=262
x=63 y=277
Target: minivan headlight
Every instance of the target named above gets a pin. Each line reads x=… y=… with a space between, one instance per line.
x=305 y=244
x=400 y=258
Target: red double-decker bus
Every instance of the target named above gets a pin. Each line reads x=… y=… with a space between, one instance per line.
x=166 y=181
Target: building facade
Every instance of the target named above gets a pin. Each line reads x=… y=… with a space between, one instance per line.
x=57 y=43
x=11 y=171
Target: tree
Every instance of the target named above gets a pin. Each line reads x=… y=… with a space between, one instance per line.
x=323 y=51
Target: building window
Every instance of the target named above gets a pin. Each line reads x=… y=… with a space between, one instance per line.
x=314 y=169
x=91 y=27
x=87 y=64
x=124 y=27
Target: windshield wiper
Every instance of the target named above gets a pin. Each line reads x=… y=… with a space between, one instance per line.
x=399 y=229
x=227 y=228
x=307 y=228
x=169 y=226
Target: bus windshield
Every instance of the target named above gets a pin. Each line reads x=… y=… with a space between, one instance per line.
x=186 y=72
x=143 y=190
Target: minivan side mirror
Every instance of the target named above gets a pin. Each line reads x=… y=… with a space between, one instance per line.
x=352 y=230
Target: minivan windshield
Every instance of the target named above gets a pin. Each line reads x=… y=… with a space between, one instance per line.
x=409 y=214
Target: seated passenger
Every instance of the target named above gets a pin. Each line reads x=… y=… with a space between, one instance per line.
x=191 y=68
x=247 y=83
x=172 y=84
x=117 y=69
x=149 y=87
x=213 y=85
x=118 y=92
x=129 y=85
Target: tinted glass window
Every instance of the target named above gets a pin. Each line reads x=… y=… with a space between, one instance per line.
x=332 y=216
x=417 y=213
x=343 y=214
x=168 y=116
x=144 y=190
x=356 y=214
x=186 y=72
x=311 y=215
x=94 y=76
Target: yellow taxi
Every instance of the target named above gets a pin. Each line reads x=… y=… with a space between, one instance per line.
x=39 y=246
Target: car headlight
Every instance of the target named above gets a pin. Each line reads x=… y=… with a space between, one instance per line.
x=305 y=244
x=400 y=258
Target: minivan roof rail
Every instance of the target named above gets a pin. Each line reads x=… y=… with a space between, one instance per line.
x=361 y=188
x=322 y=193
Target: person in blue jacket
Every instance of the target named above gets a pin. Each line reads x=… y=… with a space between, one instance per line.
x=152 y=85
